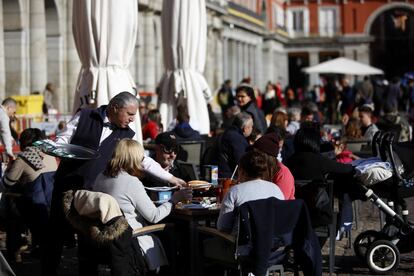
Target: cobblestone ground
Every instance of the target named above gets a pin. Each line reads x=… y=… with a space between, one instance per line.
x=345 y=264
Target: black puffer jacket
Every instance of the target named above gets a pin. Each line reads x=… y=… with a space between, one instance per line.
x=111 y=243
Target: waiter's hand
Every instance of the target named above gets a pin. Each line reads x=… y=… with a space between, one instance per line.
x=11 y=157
x=178 y=182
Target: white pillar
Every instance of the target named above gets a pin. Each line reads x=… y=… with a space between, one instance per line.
x=210 y=58
x=15 y=43
x=247 y=60
x=219 y=74
x=257 y=69
x=225 y=59
x=55 y=54
x=159 y=66
x=313 y=60
x=139 y=54
x=233 y=59
x=38 y=57
x=268 y=62
x=72 y=58
x=240 y=61
x=2 y=61
x=148 y=61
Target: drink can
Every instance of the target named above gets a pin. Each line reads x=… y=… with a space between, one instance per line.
x=214 y=175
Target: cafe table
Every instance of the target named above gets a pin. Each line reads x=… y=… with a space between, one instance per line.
x=191 y=218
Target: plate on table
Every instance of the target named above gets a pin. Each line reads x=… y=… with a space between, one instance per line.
x=199 y=184
x=193 y=206
x=67 y=151
x=161 y=188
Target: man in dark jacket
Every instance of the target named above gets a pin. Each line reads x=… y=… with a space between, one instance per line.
x=183 y=131
x=233 y=143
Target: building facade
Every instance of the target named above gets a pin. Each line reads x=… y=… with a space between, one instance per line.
x=268 y=40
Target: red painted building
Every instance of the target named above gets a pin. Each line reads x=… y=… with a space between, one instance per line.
x=380 y=33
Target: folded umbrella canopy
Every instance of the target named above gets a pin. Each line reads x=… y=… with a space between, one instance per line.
x=105 y=36
x=344 y=66
x=184 y=38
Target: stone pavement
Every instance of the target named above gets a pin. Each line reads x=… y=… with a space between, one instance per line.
x=346 y=263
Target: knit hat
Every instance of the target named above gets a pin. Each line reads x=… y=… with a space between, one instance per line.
x=268 y=143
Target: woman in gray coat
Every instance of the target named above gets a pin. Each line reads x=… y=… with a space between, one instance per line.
x=120 y=180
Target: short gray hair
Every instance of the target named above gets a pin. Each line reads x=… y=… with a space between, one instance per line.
x=9 y=102
x=241 y=119
x=123 y=99
x=294 y=111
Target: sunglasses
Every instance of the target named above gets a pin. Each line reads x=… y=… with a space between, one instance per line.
x=170 y=150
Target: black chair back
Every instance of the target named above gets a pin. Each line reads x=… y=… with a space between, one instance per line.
x=266 y=227
x=191 y=152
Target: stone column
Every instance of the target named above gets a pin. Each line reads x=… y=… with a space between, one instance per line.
x=55 y=26
x=313 y=60
x=139 y=53
x=2 y=61
x=233 y=59
x=240 y=61
x=159 y=63
x=257 y=69
x=148 y=61
x=73 y=61
x=219 y=74
x=210 y=58
x=225 y=59
x=268 y=62
x=38 y=57
x=247 y=60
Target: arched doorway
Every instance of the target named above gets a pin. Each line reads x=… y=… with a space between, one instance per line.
x=393 y=47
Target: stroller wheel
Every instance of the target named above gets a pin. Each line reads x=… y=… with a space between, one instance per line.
x=364 y=240
x=383 y=257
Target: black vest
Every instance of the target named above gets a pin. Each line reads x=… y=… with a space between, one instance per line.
x=78 y=174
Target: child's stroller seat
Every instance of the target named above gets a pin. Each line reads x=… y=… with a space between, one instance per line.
x=381 y=250
x=401 y=158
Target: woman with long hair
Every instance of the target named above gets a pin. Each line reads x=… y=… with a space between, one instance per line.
x=270 y=144
x=121 y=180
x=246 y=100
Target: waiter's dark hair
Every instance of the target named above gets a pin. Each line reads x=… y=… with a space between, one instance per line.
x=123 y=99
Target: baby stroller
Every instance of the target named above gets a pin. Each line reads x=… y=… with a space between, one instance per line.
x=381 y=249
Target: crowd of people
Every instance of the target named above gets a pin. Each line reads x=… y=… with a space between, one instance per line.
x=267 y=141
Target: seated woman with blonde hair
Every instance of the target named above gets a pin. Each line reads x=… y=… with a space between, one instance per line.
x=121 y=180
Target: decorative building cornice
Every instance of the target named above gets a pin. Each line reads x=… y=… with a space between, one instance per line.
x=214 y=6
x=246 y=14
x=329 y=42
